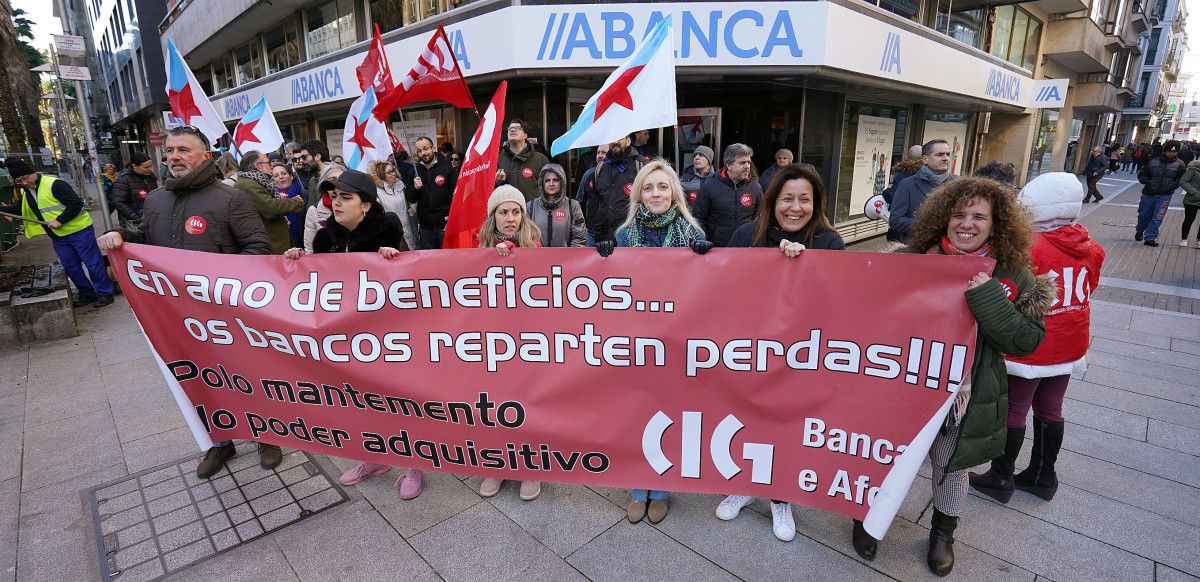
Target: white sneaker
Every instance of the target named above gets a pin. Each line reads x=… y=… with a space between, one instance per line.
x=1183 y=243
x=732 y=506
x=782 y=522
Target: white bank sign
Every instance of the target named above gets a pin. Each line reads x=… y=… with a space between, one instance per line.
x=707 y=34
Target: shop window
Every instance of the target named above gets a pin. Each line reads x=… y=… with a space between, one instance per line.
x=820 y=136
x=223 y=73
x=1043 y=143
x=283 y=47
x=965 y=26
x=872 y=141
x=249 y=61
x=1015 y=36
x=388 y=14
x=955 y=128
x=909 y=9
x=330 y=26
x=416 y=10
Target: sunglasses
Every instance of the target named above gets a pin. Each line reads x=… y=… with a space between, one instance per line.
x=190 y=130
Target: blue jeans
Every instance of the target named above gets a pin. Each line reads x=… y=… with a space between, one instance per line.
x=1151 y=210
x=432 y=239
x=77 y=251
x=642 y=494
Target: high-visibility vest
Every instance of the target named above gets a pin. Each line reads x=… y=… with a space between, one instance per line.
x=50 y=208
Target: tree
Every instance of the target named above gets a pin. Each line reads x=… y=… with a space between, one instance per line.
x=26 y=81
x=13 y=130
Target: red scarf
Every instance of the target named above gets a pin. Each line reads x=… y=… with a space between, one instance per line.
x=948 y=249
x=326 y=201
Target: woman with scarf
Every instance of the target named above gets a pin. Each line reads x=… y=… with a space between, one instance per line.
x=287 y=186
x=131 y=188
x=791 y=218
x=108 y=178
x=391 y=194
x=980 y=217
x=658 y=217
x=558 y=217
x=506 y=228
x=255 y=180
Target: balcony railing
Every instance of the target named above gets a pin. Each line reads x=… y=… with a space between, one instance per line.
x=1137 y=102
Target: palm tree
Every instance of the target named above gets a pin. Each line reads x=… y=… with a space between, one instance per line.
x=13 y=131
x=27 y=83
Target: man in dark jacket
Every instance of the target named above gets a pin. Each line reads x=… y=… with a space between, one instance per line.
x=432 y=189
x=1161 y=178
x=908 y=167
x=132 y=187
x=311 y=164
x=729 y=200
x=609 y=189
x=912 y=192
x=1097 y=164
x=695 y=175
x=581 y=192
x=195 y=211
x=519 y=164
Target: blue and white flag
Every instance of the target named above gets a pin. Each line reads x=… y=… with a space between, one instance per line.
x=364 y=137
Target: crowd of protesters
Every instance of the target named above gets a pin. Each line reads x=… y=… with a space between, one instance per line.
x=302 y=201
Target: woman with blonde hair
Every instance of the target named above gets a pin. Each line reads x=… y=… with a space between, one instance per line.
x=391 y=193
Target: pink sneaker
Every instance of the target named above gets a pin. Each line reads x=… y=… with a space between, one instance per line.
x=410 y=484
x=362 y=472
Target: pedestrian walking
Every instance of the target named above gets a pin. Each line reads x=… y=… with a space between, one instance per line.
x=790 y=218
x=609 y=189
x=130 y=189
x=1160 y=177
x=69 y=226
x=432 y=191
x=108 y=178
x=254 y=178
x=730 y=199
x=559 y=218
x=911 y=193
x=318 y=216
x=519 y=164
x=1097 y=165
x=1114 y=158
x=195 y=211
x=1191 y=202
x=980 y=217
x=287 y=186
x=658 y=216
x=391 y=195
x=1127 y=160
x=1064 y=251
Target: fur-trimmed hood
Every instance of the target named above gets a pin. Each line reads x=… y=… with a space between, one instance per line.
x=908 y=166
x=1038 y=299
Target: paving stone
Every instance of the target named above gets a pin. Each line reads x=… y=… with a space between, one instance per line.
x=1111 y=314
x=136 y=554
x=11 y=449
x=1168 y=324
x=368 y=549
x=1175 y=437
x=642 y=552
x=1155 y=370
x=1162 y=355
x=161 y=489
x=271 y=501
x=180 y=537
x=175 y=519
x=1185 y=346
x=68 y=448
x=444 y=496
x=51 y=350
x=188 y=554
x=10 y=500
x=692 y=522
x=1144 y=457
x=1165 y=574
x=259 y=560
x=159 y=449
x=83 y=401
x=56 y=540
x=479 y=543
x=1130 y=426
x=542 y=517
x=1124 y=400
x=1133 y=337
x=112 y=522
x=143 y=572
x=1132 y=382
x=142 y=404
x=121 y=348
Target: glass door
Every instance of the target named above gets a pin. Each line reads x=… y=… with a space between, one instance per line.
x=697 y=127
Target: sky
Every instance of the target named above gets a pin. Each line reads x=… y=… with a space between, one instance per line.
x=41 y=12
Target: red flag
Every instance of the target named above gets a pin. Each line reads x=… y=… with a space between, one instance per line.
x=476 y=178
x=374 y=70
x=435 y=77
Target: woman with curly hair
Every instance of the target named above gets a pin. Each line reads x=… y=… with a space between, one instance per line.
x=980 y=217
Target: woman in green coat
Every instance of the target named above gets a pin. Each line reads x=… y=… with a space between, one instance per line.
x=1191 y=201
x=977 y=216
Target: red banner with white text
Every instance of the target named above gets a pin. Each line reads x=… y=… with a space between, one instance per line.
x=819 y=380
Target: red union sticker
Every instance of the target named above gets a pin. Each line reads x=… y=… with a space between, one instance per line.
x=439 y=180
x=527 y=172
x=692 y=195
x=747 y=200
x=1010 y=288
x=560 y=215
x=628 y=189
x=195 y=225
x=142 y=193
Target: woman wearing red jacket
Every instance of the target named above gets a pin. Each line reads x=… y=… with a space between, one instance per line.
x=1066 y=253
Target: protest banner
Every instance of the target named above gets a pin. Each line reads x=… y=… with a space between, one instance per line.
x=819 y=380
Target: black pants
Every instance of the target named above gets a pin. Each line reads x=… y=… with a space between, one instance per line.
x=1092 y=180
x=1189 y=214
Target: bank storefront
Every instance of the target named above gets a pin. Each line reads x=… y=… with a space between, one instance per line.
x=843 y=85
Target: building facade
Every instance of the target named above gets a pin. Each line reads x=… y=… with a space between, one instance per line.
x=1166 y=44
x=846 y=85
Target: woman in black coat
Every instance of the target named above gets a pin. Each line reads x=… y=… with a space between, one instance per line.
x=131 y=187
x=792 y=212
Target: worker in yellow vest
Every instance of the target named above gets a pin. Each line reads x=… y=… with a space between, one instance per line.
x=53 y=201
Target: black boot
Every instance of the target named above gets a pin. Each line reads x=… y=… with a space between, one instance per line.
x=864 y=544
x=941 y=543
x=1040 y=478
x=997 y=483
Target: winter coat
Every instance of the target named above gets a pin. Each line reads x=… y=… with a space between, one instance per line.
x=199 y=213
x=1006 y=326
x=436 y=193
x=1160 y=176
x=521 y=169
x=608 y=195
x=273 y=210
x=907 y=200
x=723 y=206
x=314 y=220
x=129 y=193
x=560 y=220
x=900 y=172
x=1191 y=184
x=295 y=219
x=764 y=180
x=823 y=239
x=1096 y=166
x=391 y=198
x=692 y=182
x=1071 y=260
x=378 y=229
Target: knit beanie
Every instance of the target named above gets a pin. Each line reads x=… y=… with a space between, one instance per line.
x=18 y=167
x=706 y=152
x=504 y=193
x=1053 y=200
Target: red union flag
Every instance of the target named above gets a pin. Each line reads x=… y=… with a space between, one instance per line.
x=560 y=365
x=476 y=178
x=435 y=77
x=374 y=70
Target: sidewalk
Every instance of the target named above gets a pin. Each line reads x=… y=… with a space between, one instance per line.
x=91 y=410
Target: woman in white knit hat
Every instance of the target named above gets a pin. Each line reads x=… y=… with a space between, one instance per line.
x=1065 y=252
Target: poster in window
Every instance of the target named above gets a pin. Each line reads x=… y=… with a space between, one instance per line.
x=955 y=134
x=872 y=156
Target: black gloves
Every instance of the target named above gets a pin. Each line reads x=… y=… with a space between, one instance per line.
x=701 y=246
x=604 y=247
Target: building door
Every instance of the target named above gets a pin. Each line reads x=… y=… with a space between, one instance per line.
x=697 y=127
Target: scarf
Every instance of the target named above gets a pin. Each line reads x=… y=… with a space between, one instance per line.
x=291 y=191
x=263 y=179
x=930 y=176
x=679 y=231
x=946 y=248
x=202 y=176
